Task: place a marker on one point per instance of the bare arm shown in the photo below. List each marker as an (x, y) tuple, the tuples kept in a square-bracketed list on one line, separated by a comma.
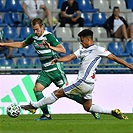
[(64, 59), (44, 8), (120, 61), (63, 13), (14, 44), (74, 19), (25, 10), (59, 48), (78, 14)]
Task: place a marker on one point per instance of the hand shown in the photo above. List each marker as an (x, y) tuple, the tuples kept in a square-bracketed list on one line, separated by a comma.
[(74, 19), (54, 61), (112, 32), (1, 44), (46, 44)]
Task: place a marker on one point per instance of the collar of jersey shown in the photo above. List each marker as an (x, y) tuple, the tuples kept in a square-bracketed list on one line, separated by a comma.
[(42, 36), (90, 46)]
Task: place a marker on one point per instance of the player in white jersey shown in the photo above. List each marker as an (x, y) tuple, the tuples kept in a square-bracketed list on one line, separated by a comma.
[(50, 73), (90, 56)]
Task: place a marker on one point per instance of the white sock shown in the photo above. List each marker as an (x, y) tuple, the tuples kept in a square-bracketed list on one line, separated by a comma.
[(96, 109), (46, 100)]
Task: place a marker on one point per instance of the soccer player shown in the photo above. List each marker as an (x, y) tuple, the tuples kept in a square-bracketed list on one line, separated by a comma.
[(50, 72), (90, 56)]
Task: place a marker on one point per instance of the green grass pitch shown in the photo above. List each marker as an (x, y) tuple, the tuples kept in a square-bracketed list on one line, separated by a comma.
[(66, 123)]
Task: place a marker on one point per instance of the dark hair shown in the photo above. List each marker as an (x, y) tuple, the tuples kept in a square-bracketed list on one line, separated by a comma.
[(37, 21), (85, 33), (116, 7)]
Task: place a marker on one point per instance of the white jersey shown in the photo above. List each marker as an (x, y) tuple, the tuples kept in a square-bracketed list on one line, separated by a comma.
[(90, 58)]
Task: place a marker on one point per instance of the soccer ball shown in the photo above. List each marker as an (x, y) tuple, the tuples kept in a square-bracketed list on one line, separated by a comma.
[(13, 110)]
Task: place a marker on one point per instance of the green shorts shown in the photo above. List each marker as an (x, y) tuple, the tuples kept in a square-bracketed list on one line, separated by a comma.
[(57, 77)]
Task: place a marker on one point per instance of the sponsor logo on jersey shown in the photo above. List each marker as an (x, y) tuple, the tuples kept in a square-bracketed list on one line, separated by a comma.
[(60, 82)]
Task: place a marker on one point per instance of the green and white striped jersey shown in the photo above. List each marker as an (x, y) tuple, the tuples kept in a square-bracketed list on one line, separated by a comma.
[(46, 55)]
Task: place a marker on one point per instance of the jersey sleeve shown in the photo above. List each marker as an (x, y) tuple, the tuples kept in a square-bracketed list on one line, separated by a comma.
[(52, 40), (77, 53), (29, 40), (103, 52)]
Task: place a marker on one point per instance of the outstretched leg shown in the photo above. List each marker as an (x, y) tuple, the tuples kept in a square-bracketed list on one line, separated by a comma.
[(87, 104), (78, 99), (121, 32), (44, 101), (89, 107)]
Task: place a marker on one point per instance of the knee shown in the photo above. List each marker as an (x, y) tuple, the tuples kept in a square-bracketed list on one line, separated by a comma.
[(35, 89), (81, 21), (123, 26), (38, 87), (63, 19), (63, 22)]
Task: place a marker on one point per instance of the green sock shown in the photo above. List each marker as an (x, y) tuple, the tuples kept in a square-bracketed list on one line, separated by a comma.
[(76, 98), (39, 96)]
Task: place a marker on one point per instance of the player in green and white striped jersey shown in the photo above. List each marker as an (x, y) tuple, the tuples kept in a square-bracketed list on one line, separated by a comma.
[(46, 45)]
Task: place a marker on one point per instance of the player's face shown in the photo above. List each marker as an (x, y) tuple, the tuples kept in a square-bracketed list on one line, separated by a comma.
[(38, 30), (84, 41)]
